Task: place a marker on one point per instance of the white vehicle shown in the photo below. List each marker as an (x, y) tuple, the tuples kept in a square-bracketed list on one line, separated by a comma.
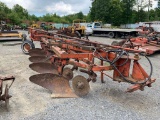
[(96, 29), (90, 26)]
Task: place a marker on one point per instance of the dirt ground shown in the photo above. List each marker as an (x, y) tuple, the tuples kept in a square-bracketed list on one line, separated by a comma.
[(107, 101)]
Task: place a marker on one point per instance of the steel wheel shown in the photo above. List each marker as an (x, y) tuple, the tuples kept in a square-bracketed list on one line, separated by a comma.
[(67, 73), (80, 85)]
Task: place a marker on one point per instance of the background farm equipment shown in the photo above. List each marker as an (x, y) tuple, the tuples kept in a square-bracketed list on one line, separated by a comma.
[(58, 51), (4, 26), (12, 36), (76, 30), (4, 95), (149, 44), (46, 26)]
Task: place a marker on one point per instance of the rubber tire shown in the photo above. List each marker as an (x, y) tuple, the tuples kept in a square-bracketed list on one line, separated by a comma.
[(78, 34), (30, 43), (111, 35), (24, 37)]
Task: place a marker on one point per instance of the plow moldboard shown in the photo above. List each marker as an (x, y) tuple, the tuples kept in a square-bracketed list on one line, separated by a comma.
[(57, 84), (43, 68), (37, 52), (36, 59)]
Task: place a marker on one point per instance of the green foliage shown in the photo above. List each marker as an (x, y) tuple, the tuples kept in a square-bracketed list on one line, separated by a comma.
[(119, 12), (158, 4), (21, 12), (115, 12)]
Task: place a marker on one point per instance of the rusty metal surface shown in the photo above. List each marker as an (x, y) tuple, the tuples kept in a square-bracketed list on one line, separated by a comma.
[(67, 73), (43, 68), (80, 53), (36, 59), (37, 52), (4, 96), (80, 85), (58, 85)]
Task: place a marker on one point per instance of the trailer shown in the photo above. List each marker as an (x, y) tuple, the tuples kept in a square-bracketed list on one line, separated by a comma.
[(96, 29)]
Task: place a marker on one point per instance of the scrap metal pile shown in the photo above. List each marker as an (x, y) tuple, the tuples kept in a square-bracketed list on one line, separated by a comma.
[(58, 51), (4, 96)]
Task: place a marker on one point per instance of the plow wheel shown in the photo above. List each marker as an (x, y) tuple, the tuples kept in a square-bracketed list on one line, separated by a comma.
[(37, 52), (67, 73), (42, 67), (36, 59), (80, 85), (57, 84), (26, 46)]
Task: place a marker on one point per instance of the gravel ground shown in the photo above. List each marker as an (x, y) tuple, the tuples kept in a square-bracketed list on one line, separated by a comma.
[(104, 102)]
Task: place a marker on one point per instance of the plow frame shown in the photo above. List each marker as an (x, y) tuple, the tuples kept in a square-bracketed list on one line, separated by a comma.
[(81, 54)]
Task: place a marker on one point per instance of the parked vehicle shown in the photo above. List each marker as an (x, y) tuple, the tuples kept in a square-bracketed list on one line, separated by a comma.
[(96, 29)]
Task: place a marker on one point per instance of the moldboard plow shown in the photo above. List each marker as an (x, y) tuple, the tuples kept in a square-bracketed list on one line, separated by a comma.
[(58, 51)]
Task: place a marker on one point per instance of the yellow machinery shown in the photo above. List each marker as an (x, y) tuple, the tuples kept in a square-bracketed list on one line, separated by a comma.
[(12, 35), (35, 26), (78, 25)]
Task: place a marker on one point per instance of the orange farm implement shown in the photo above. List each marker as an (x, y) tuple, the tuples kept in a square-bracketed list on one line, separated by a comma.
[(60, 55), (149, 44)]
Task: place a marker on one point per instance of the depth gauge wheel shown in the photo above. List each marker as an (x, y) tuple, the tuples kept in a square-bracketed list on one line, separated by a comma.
[(80, 85), (67, 73), (26, 46)]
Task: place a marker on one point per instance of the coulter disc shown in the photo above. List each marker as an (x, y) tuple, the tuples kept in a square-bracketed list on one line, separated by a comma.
[(80, 85)]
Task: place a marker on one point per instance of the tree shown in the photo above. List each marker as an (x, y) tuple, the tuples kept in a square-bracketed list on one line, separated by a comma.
[(159, 4), (110, 11), (14, 18), (80, 15), (4, 10), (21, 12), (127, 6)]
